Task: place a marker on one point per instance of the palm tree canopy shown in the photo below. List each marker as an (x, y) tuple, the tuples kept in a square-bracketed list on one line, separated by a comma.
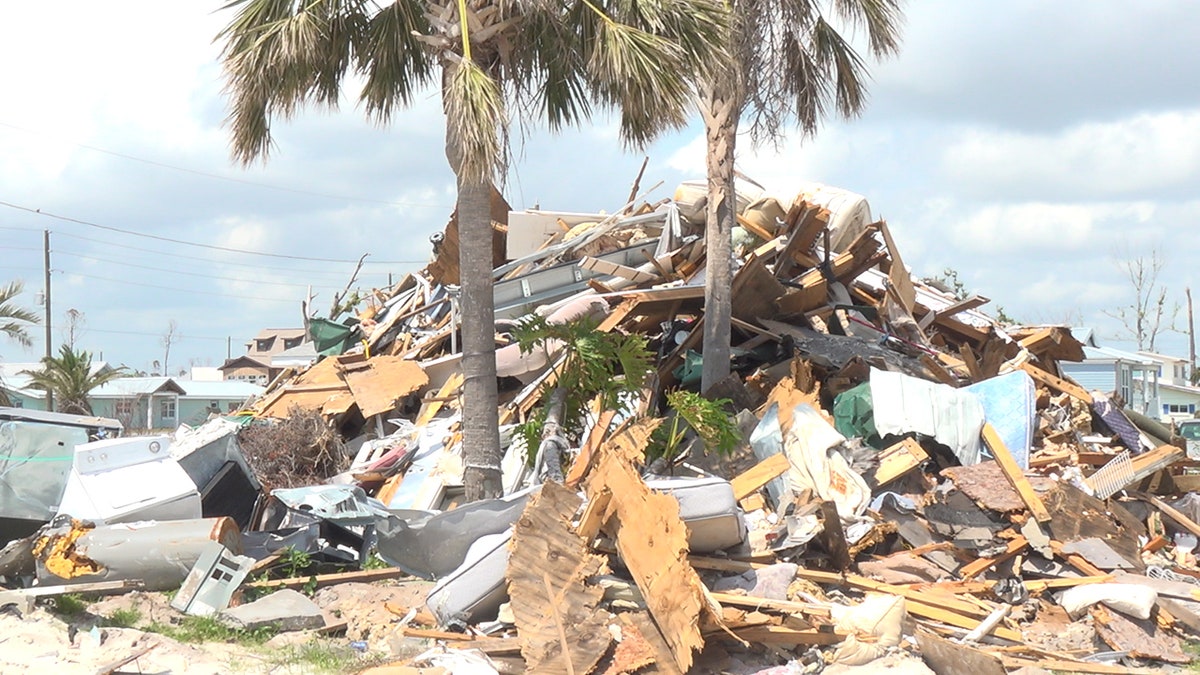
[(15, 320), (793, 62), (539, 58), (69, 378)]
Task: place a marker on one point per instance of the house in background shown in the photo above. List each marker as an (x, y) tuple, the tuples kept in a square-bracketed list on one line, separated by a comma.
[(201, 398), (140, 403), (1177, 396), (1132, 376), (255, 365)]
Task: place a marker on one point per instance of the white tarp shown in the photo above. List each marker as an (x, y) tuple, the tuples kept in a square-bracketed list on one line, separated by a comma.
[(906, 404)]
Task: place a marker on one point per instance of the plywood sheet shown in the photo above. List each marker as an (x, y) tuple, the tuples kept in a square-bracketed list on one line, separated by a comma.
[(652, 542), (556, 611), (384, 381), (319, 388)]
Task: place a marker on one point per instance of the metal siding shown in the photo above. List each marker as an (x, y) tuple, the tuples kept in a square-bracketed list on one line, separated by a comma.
[(1092, 376)]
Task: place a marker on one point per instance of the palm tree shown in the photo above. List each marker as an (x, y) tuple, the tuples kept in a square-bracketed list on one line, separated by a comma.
[(14, 320), (788, 63), (535, 58), (69, 378)]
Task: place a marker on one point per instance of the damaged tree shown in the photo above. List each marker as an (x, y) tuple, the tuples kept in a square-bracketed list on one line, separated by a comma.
[(787, 62), (1149, 314), (490, 58)]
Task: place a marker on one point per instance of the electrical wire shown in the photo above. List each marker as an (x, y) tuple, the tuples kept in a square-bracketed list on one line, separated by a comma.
[(213, 247), (195, 274), (208, 260)]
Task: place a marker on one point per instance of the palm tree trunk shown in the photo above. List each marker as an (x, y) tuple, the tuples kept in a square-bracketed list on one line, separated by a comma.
[(481, 450), (720, 111), (481, 421)]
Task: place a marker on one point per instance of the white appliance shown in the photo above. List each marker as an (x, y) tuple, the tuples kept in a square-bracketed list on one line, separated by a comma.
[(124, 480)]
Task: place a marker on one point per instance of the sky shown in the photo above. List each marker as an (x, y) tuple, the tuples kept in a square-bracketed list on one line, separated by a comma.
[(1031, 147)]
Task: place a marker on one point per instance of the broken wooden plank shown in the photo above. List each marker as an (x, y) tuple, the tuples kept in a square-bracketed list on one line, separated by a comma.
[(898, 459), (782, 635), (977, 567), (321, 580), (1168, 511), (614, 269), (785, 606), (1154, 461), (1057, 383), (652, 542), (760, 474), (385, 381), (1014, 474), (557, 613)]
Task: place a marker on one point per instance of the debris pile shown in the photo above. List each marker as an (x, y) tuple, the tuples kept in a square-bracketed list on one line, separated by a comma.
[(890, 473)]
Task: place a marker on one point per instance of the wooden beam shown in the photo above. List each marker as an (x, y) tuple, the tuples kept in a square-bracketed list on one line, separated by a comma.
[(898, 459), (749, 481), (1057, 383), (1014, 474), (785, 606), (319, 580), (782, 635), (1169, 511), (977, 567)]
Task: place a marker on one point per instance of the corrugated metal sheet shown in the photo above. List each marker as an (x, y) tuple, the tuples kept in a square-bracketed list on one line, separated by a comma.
[(1092, 376)]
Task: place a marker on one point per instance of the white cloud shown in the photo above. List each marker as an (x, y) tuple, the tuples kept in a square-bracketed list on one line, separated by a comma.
[(1147, 153), (1014, 228)]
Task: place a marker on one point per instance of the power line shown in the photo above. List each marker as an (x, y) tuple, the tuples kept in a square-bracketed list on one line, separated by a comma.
[(169, 288), (194, 274), (227, 249), (208, 260), (181, 336), (233, 179)]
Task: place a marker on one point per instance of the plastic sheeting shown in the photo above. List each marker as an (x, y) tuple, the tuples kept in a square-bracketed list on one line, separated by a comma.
[(906, 404)]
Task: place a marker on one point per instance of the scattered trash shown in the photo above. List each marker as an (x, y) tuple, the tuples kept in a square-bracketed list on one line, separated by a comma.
[(886, 470)]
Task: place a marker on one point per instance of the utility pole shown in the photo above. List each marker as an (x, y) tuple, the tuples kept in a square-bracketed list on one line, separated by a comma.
[(228, 347), (46, 297), (1191, 335)]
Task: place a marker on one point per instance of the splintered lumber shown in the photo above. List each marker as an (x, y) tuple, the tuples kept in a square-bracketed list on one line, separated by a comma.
[(557, 613), (652, 542), (941, 607), (977, 567), (321, 580), (1154, 461), (782, 635), (785, 606), (1169, 511), (1014, 474), (1057, 383), (898, 459), (760, 474)]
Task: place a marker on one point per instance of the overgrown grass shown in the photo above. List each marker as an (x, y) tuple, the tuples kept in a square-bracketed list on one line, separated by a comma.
[(208, 629), (123, 618), (69, 605), (322, 656)]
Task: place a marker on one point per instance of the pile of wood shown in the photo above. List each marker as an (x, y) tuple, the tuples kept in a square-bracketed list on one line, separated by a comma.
[(979, 553)]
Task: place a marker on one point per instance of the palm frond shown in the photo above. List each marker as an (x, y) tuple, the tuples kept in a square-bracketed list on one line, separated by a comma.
[(394, 61), (644, 76), (15, 318), (279, 56), (881, 19), (475, 120)]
